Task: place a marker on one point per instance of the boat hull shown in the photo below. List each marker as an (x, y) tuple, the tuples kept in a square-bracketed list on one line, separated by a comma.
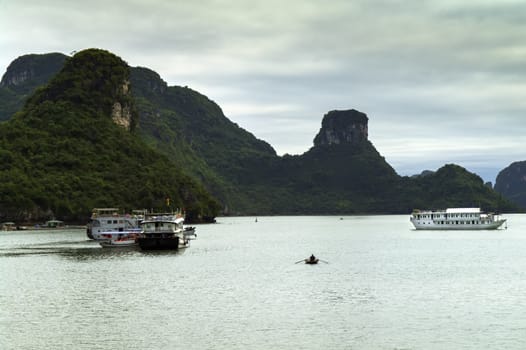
[(114, 235), (448, 227), (158, 243), (311, 262), (118, 244)]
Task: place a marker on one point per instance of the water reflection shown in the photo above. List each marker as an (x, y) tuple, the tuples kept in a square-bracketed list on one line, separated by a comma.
[(98, 253), (81, 250)]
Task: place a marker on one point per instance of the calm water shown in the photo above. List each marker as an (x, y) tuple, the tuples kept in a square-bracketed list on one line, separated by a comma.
[(385, 286)]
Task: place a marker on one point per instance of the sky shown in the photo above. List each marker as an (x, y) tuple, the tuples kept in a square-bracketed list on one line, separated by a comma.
[(441, 81)]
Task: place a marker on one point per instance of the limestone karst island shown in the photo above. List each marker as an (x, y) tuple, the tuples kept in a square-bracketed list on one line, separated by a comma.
[(90, 131)]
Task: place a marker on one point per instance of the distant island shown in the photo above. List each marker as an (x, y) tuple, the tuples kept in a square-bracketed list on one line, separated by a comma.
[(89, 131), (511, 183)]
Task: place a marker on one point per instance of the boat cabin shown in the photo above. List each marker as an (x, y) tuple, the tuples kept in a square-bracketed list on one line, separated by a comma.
[(162, 224)]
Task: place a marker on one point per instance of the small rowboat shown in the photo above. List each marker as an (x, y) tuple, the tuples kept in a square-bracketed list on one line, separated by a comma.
[(118, 243), (311, 261)]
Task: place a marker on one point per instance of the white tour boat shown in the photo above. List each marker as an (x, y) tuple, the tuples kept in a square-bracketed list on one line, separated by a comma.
[(110, 224), (455, 219)]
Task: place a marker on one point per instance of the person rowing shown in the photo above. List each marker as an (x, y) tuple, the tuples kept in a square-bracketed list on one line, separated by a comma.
[(311, 260)]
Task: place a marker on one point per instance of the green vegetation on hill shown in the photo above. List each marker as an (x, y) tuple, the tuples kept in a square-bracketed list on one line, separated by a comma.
[(453, 186), (511, 183), (62, 154), (192, 130)]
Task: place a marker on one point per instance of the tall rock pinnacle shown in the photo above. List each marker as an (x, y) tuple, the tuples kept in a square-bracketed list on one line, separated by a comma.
[(342, 127)]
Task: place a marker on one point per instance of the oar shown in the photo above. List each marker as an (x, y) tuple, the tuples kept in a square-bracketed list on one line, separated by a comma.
[(297, 262), (323, 261)]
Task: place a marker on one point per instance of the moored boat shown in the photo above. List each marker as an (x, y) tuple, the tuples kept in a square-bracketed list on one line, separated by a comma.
[(189, 232), (129, 241), (8, 226), (109, 224), (163, 231), (455, 219)]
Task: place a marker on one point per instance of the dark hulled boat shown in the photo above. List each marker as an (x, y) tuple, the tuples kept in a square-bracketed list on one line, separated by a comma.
[(158, 242), (162, 232)]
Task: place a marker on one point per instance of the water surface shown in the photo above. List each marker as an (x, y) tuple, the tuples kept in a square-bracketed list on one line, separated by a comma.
[(385, 286)]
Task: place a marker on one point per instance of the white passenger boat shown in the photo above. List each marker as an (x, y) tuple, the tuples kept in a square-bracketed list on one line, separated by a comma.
[(189, 232), (110, 224), (455, 219)]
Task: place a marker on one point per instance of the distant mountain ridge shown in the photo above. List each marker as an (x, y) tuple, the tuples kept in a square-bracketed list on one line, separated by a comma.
[(192, 130), (511, 183), (341, 173), (23, 76), (30, 71)]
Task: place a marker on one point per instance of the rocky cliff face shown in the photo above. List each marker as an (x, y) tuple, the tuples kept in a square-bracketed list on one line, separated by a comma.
[(511, 183), (28, 72), (121, 113), (34, 69), (342, 127), (23, 76), (12, 78)]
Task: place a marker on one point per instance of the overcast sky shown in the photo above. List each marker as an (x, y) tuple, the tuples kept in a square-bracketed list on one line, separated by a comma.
[(441, 81)]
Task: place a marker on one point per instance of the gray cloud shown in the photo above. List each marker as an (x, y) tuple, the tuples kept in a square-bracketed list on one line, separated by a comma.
[(441, 81)]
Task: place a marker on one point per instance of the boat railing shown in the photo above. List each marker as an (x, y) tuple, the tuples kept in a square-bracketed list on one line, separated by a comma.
[(96, 212), (160, 218)]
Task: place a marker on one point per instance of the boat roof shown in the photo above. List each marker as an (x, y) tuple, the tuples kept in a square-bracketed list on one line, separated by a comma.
[(462, 210), (449, 211), (104, 212), (163, 218)]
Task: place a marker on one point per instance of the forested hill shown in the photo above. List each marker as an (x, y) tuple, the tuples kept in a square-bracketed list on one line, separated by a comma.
[(193, 131), (342, 173), (511, 183), (73, 147)]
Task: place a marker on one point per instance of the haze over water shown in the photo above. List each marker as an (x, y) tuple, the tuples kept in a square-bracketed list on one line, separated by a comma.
[(385, 286)]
